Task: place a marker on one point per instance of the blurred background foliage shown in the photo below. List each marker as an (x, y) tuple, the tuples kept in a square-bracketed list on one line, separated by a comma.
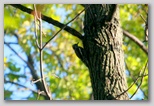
[(67, 76)]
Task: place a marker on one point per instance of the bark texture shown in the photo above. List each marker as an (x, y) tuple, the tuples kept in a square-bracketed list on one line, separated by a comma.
[(102, 52)]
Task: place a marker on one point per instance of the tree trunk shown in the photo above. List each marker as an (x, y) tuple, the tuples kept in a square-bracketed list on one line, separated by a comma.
[(102, 52)]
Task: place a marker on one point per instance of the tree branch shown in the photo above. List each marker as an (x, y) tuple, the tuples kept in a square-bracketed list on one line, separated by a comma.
[(23, 87), (30, 65), (64, 27), (136, 40), (49, 97), (10, 43), (141, 80), (73, 31), (135, 82), (51, 21)]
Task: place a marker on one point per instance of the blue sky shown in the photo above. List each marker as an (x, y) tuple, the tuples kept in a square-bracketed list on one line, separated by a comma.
[(18, 94)]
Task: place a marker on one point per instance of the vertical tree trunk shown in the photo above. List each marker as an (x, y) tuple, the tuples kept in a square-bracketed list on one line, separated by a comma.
[(102, 52)]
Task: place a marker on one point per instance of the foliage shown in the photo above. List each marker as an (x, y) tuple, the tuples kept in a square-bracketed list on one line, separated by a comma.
[(135, 58), (59, 59)]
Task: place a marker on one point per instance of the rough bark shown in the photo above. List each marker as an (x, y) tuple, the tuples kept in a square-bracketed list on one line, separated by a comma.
[(102, 52)]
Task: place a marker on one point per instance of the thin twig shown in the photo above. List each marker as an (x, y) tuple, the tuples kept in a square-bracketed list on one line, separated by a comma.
[(41, 56), (35, 81), (141, 80), (128, 88), (132, 83), (65, 26), (10, 42), (142, 17), (28, 64), (35, 29), (23, 86), (15, 52), (135, 80), (39, 93)]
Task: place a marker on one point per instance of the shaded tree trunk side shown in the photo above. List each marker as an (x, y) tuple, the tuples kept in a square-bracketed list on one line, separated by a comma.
[(102, 52)]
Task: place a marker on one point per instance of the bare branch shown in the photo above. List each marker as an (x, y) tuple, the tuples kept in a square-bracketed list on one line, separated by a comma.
[(141, 80), (128, 88), (142, 18), (35, 27), (143, 75), (65, 26), (73, 31), (23, 87), (29, 64), (16, 52), (136, 40), (51, 21), (41, 54), (10, 43), (35, 81)]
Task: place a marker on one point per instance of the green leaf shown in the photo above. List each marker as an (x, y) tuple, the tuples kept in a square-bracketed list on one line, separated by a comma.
[(13, 67), (7, 94)]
